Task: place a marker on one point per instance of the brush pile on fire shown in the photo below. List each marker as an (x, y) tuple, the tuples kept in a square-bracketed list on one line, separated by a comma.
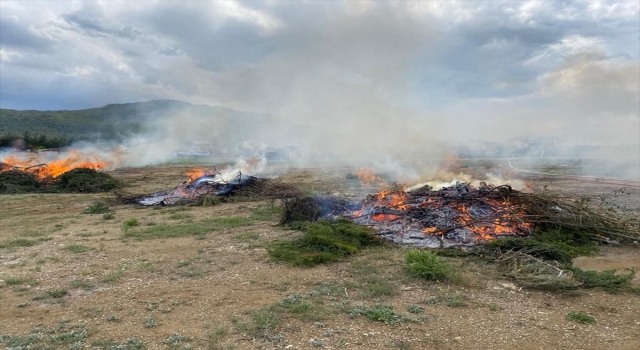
[(69, 172), (208, 187), (464, 215), (456, 215)]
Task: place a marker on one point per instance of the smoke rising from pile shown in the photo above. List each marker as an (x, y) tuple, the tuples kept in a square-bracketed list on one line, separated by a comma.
[(347, 82), (340, 88), (393, 86)]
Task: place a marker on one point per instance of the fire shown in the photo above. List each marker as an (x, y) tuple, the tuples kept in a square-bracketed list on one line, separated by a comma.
[(44, 168), (459, 214), (385, 217), (430, 230), (395, 200), (367, 177), (193, 174)]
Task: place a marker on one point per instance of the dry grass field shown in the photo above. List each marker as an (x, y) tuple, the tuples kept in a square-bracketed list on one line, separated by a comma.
[(193, 277)]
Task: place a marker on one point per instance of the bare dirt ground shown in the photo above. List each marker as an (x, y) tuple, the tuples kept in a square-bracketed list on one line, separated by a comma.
[(80, 281)]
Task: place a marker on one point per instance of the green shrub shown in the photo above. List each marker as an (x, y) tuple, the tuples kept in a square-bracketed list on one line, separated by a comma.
[(424, 264), (323, 242)]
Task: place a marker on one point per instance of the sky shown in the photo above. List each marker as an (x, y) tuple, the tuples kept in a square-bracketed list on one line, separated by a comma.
[(462, 70)]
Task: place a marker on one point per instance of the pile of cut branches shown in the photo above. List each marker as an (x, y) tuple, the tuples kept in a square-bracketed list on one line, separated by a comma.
[(79, 180), (600, 219)]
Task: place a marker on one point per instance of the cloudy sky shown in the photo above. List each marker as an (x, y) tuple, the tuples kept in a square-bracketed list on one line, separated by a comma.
[(463, 69)]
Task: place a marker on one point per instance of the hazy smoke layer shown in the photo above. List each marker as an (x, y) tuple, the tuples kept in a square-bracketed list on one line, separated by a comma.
[(393, 86)]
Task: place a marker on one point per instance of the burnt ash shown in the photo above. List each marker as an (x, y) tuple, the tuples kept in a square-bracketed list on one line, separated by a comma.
[(210, 184)]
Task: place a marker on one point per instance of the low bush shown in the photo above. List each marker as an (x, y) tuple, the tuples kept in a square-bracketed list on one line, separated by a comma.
[(323, 242), (424, 264)]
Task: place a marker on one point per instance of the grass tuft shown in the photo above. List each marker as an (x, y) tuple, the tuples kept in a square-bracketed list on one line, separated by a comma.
[(12, 281), (57, 293), (74, 248), (424, 264), (97, 208), (22, 242), (581, 317), (261, 326), (127, 225), (379, 313)]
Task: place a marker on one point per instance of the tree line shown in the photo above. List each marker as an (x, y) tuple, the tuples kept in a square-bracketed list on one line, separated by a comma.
[(33, 141)]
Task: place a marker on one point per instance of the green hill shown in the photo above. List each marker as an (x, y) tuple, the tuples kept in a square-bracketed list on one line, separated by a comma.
[(120, 121), (111, 122)]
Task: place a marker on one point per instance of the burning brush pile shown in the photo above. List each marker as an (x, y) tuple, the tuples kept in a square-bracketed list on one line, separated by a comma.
[(452, 216), (457, 215), (69, 172), (464, 215), (208, 187)]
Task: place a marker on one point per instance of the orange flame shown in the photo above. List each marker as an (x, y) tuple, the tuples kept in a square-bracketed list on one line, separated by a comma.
[(385, 217), (367, 177), (193, 174), (395, 200), (429, 230), (38, 165), (504, 220)]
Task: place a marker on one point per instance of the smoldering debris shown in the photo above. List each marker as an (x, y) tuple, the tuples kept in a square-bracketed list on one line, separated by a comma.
[(464, 215), (212, 187)]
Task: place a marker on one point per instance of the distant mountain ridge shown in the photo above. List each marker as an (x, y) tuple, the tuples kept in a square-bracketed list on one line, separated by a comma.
[(119, 121)]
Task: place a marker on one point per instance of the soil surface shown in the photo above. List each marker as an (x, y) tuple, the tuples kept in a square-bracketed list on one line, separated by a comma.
[(200, 278)]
